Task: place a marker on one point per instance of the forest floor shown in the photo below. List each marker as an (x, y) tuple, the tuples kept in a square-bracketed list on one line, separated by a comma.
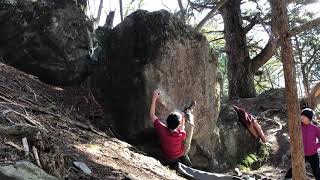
[(66, 119)]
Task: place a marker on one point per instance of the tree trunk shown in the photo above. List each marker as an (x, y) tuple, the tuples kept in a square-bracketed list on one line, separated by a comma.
[(97, 19), (280, 18), (121, 10), (305, 81), (240, 74), (109, 20)]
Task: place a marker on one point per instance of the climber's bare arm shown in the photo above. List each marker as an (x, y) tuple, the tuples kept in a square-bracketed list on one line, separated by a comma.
[(182, 124), (156, 95)]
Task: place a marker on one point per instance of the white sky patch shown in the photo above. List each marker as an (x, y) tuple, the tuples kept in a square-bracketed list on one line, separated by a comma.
[(172, 6)]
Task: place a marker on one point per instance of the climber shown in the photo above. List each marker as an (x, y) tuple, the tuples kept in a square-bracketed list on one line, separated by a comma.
[(310, 134), (175, 143), (251, 123)]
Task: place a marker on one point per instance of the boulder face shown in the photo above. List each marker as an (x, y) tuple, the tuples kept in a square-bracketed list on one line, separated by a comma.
[(151, 50), (48, 39)]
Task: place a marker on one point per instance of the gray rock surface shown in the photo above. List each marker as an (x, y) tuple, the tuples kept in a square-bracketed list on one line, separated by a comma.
[(24, 170), (83, 167)]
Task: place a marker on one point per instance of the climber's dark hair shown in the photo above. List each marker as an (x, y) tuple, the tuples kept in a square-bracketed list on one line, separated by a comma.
[(173, 120)]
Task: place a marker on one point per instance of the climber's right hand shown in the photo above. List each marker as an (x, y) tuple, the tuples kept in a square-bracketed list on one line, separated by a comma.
[(156, 94)]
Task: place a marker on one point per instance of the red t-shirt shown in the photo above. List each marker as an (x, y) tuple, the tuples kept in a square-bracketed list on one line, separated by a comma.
[(171, 142)]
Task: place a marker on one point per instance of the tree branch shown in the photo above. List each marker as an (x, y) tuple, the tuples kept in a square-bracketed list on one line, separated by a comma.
[(182, 10), (252, 23), (304, 27), (121, 10), (197, 6), (315, 49), (264, 55), (109, 20), (210, 14), (217, 39), (97, 19), (209, 32), (311, 64), (180, 5)]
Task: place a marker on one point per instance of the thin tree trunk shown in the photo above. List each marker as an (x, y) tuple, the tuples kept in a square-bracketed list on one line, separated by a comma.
[(109, 20), (121, 10), (280, 18), (314, 97), (240, 75), (182, 11), (305, 81), (97, 19), (304, 76)]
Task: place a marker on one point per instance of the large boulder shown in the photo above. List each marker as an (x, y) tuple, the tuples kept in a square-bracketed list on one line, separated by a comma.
[(48, 39), (150, 50)]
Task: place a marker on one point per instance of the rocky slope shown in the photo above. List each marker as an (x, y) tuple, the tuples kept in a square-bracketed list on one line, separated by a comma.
[(66, 133)]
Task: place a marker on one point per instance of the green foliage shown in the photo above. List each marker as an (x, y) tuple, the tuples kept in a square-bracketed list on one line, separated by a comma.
[(250, 160), (306, 51), (254, 161), (217, 43), (270, 76), (82, 8)]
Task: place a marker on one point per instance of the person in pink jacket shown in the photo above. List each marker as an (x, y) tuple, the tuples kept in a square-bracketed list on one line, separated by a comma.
[(310, 134)]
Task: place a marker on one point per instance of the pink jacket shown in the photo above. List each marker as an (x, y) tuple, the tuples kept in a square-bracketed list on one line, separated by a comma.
[(310, 134)]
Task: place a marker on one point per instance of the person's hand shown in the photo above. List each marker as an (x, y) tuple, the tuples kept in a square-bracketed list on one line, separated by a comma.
[(156, 94)]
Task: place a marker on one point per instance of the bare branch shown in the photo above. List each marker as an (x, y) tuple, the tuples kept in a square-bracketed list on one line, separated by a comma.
[(210, 14), (252, 23), (182, 10), (121, 10), (109, 20), (97, 19), (264, 55), (180, 5), (208, 32), (304, 27), (315, 50), (202, 6), (217, 39), (311, 64)]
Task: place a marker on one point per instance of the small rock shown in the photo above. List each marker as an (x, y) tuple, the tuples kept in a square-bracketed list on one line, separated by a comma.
[(237, 170), (247, 177), (257, 176), (83, 167), (24, 170)]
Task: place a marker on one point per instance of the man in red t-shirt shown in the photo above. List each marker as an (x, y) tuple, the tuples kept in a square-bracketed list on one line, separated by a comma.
[(173, 135)]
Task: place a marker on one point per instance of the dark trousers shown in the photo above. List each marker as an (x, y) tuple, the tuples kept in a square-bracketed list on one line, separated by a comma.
[(183, 159), (314, 163)]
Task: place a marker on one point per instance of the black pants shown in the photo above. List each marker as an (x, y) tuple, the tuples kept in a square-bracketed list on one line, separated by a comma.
[(183, 159), (314, 163)]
